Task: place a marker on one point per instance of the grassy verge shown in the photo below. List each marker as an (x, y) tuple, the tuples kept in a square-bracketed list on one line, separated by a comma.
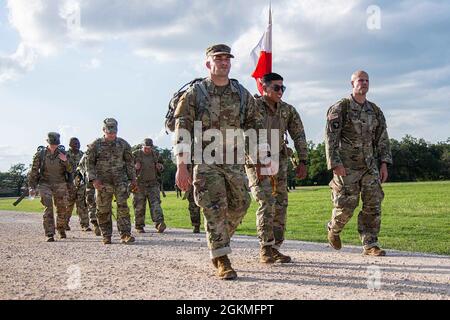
[(416, 216)]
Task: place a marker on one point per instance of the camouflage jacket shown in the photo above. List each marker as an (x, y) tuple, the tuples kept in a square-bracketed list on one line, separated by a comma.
[(75, 158), (110, 162), (222, 113), (145, 172), (356, 136), (54, 170), (289, 121)]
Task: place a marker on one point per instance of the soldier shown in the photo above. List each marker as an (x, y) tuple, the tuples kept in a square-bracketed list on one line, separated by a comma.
[(49, 173), (219, 187), (81, 178), (76, 194), (111, 172), (148, 163), (271, 192), (357, 143)]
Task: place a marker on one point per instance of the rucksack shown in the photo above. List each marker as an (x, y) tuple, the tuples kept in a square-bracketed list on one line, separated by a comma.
[(202, 101)]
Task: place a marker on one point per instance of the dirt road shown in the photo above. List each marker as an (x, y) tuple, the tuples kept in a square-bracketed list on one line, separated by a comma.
[(176, 265)]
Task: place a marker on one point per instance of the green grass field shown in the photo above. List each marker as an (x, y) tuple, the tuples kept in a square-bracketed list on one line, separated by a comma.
[(416, 216)]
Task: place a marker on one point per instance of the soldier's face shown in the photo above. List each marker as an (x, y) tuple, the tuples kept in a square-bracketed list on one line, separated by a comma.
[(219, 65), (147, 149), (75, 145), (361, 84), (110, 136), (274, 91)]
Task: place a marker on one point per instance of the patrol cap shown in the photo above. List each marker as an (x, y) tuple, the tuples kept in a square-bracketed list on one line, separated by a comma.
[(218, 49), (53, 138), (147, 142), (110, 125)]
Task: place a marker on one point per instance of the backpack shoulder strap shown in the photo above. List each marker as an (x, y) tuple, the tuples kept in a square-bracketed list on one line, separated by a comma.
[(202, 96), (241, 92)]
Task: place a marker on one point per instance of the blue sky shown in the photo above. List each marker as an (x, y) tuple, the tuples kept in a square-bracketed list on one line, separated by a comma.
[(128, 57)]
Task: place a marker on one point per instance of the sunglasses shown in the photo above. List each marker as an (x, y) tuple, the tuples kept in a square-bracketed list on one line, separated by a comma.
[(277, 87)]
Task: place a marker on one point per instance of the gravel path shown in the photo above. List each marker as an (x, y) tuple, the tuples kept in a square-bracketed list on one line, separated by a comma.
[(176, 265)]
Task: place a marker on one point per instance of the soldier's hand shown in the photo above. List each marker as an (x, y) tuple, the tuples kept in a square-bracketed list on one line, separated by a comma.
[(134, 186), (183, 177), (383, 173), (339, 171), (63, 157), (32, 192), (98, 185), (301, 171)]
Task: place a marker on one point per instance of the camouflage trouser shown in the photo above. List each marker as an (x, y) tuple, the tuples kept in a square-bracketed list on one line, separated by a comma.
[(194, 210), (272, 211), (77, 196), (57, 193), (345, 195), (104, 200), (90, 201), (221, 191), (152, 195)]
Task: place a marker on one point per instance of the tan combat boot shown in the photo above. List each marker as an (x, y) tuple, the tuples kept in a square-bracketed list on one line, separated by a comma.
[(86, 229), (107, 240), (266, 255), (97, 230), (140, 230), (62, 234), (374, 251), (126, 238), (160, 227), (279, 257), (215, 262), (224, 269), (334, 240)]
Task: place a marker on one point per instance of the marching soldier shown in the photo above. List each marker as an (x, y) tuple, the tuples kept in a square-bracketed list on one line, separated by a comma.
[(148, 164), (219, 187), (358, 152), (111, 172), (50, 173), (76, 194), (271, 192)]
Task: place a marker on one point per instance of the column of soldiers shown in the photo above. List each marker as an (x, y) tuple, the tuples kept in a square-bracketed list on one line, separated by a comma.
[(357, 151)]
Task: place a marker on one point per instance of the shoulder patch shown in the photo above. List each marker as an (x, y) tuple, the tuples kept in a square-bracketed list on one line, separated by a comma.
[(332, 116)]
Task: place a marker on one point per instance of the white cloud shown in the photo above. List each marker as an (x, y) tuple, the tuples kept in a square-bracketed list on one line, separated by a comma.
[(94, 63)]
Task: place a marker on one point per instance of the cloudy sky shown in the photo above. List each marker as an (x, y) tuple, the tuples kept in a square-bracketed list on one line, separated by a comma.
[(65, 65)]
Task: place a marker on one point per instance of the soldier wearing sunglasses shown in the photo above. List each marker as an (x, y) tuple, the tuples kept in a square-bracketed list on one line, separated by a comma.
[(271, 192)]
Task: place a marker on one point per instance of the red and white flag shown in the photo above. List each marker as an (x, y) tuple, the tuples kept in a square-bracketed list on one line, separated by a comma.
[(262, 55)]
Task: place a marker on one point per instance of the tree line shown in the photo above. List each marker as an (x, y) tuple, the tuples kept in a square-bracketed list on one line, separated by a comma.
[(414, 160)]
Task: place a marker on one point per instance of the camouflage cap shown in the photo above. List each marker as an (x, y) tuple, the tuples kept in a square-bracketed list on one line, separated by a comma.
[(219, 49), (147, 142), (110, 125), (53, 138)]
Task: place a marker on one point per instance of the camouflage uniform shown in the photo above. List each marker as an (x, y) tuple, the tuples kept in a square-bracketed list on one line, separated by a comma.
[(111, 162), (90, 190), (273, 201), (148, 188), (194, 210), (77, 195), (219, 189), (356, 138), (52, 187)]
